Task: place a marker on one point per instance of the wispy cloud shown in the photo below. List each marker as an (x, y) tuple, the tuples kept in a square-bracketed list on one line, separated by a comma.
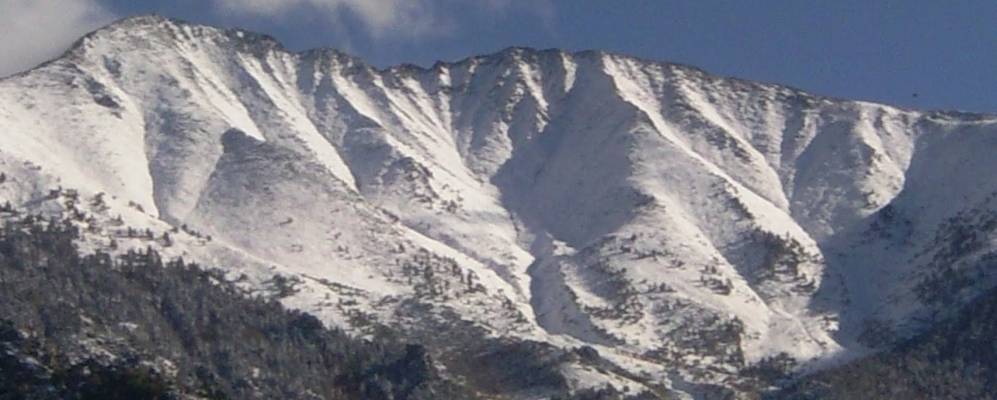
[(32, 31), (381, 18)]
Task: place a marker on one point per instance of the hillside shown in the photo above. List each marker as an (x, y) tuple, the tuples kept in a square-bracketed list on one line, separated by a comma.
[(685, 226)]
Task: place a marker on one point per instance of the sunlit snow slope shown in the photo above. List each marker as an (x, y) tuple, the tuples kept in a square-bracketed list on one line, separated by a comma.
[(675, 220)]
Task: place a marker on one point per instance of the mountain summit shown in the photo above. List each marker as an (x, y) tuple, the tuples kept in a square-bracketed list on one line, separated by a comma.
[(686, 226)]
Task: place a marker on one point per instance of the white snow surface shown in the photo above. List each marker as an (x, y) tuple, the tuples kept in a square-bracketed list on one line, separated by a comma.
[(663, 215)]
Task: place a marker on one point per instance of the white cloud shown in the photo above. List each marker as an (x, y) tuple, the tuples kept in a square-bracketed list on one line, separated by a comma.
[(33, 31), (381, 18)]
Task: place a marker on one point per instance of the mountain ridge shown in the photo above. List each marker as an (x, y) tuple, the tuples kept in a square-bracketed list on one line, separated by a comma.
[(154, 18), (649, 209)]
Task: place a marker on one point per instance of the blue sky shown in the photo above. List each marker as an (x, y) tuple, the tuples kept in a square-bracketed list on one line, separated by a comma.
[(945, 52)]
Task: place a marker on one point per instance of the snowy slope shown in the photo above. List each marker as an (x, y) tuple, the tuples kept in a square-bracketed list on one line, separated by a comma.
[(686, 225)]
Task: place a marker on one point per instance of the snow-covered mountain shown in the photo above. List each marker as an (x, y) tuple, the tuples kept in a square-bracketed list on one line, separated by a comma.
[(684, 225)]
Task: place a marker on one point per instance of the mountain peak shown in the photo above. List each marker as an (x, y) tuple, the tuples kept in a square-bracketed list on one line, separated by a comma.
[(144, 20), (149, 30), (584, 198), (138, 24)]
